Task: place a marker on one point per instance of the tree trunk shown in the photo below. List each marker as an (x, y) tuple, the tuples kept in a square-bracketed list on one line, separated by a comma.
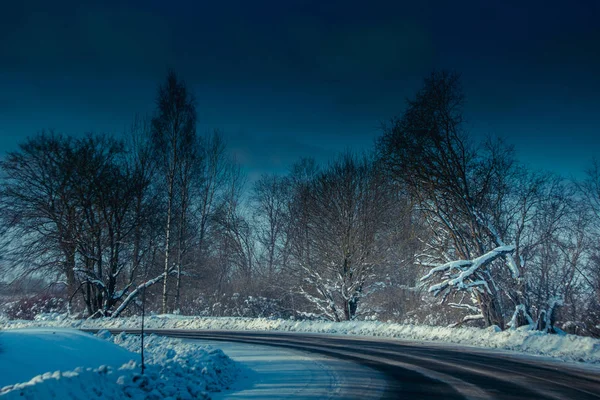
[(178, 288), (88, 299), (180, 246), (492, 315), (523, 316), (350, 307), (137, 238), (178, 283), (70, 273), (167, 244)]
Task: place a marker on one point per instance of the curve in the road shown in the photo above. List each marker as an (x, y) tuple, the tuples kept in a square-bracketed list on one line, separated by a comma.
[(423, 371), (275, 373)]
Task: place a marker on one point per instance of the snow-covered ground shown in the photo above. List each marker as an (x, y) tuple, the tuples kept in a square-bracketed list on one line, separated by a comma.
[(566, 347), (49, 363), (30, 352)]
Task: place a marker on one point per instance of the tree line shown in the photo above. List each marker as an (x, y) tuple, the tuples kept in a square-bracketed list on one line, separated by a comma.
[(431, 226)]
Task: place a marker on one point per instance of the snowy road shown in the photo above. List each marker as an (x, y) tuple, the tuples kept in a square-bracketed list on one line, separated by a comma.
[(409, 369), (279, 373)]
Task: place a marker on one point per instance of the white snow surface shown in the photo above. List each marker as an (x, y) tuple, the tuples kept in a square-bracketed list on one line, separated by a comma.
[(26, 353), (565, 347), (69, 364)]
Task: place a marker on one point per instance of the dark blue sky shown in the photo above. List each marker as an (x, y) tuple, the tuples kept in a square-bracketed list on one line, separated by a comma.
[(294, 78)]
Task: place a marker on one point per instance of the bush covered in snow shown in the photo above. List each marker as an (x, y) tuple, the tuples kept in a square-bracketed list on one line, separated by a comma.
[(236, 305), (28, 308)]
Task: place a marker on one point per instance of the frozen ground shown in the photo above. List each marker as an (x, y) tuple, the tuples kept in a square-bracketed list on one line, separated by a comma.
[(566, 347), (67, 364)]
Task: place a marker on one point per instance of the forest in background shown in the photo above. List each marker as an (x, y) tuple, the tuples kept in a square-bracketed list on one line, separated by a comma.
[(429, 227)]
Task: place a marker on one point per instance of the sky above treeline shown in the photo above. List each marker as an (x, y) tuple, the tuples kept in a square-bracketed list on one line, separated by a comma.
[(286, 79)]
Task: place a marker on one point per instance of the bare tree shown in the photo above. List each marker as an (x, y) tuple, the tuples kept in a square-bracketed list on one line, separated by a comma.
[(173, 136), (103, 190), (271, 198), (37, 208), (75, 202), (209, 189), (147, 215), (340, 222), (236, 230), (143, 167), (187, 169), (458, 188), (589, 190)]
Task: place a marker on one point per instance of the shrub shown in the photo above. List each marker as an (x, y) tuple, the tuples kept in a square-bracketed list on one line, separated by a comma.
[(28, 307)]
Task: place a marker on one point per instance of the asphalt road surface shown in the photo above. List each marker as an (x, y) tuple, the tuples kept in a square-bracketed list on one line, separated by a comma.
[(414, 370)]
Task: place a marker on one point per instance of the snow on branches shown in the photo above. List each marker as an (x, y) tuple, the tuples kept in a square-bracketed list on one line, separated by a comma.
[(464, 274)]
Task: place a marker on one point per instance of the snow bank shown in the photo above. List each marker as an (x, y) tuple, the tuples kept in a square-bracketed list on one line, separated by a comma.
[(182, 362), (88, 367), (566, 347), (30, 352)]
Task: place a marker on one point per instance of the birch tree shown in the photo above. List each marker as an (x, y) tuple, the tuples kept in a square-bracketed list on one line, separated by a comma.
[(173, 137)]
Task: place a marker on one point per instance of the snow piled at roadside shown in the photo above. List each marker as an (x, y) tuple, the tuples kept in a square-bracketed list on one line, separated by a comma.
[(565, 347), (25, 353), (183, 364), (175, 369)]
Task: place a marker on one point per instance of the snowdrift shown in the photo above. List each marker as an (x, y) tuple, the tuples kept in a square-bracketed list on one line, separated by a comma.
[(68, 364)]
